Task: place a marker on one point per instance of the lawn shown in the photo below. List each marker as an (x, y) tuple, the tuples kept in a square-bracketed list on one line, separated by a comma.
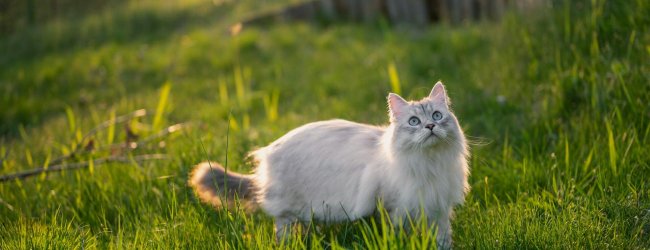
[(556, 104)]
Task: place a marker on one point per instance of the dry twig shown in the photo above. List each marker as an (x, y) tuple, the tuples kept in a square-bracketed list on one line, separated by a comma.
[(137, 144), (103, 125), (78, 165), (57, 165)]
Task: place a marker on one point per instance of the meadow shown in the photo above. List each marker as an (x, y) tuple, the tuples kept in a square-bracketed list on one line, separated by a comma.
[(555, 103)]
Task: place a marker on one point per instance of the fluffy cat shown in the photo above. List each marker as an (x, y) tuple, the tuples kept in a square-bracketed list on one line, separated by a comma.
[(339, 170)]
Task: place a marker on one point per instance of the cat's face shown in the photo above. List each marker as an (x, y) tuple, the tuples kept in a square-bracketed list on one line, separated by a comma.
[(425, 123)]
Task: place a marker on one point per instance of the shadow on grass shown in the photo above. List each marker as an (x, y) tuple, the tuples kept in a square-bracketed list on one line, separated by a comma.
[(34, 92), (118, 26)]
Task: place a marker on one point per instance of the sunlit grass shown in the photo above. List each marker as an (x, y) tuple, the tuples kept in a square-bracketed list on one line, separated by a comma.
[(561, 101)]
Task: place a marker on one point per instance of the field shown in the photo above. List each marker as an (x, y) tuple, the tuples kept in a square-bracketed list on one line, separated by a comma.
[(556, 104)]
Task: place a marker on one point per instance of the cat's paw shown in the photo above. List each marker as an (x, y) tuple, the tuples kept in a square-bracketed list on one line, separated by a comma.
[(444, 242)]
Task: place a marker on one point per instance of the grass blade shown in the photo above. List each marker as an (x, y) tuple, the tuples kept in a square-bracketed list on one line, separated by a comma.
[(164, 94), (394, 79), (71, 119), (223, 92), (110, 134), (612, 148)]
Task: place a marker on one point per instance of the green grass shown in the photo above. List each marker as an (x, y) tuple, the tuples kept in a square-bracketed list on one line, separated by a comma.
[(557, 106)]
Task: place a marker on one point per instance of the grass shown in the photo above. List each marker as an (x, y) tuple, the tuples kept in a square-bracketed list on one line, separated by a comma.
[(557, 105)]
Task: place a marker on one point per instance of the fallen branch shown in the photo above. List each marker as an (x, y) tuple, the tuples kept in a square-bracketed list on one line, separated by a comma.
[(134, 145), (78, 165), (119, 119), (165, 132), (103, 125)]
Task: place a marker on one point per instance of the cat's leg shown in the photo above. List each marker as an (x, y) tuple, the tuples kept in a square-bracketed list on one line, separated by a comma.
[(399, 220), (443, 223), (306, 228), (283, 227)]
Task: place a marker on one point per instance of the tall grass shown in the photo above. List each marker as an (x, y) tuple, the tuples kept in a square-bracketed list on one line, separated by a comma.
[(561, 98)]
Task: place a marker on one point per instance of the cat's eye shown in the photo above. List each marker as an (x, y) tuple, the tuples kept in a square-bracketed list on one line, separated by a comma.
[(414, 121), (437, 116)]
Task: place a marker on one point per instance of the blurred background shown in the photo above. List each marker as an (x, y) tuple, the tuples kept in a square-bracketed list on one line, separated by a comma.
[(553, 95), (67, 53)]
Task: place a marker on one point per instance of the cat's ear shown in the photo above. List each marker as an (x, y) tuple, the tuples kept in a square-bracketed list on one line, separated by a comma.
[(396, 104), (439, 94)]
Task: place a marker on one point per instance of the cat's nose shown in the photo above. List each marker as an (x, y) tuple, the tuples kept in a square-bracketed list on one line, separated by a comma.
[(430, 126)]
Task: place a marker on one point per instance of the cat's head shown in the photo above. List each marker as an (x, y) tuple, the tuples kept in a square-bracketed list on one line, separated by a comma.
[(425, 123)]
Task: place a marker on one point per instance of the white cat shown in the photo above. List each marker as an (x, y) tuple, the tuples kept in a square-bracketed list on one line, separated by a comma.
[(339, 170)]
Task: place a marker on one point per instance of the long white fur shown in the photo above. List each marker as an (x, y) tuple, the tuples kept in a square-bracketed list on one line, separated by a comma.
[(338, 170)]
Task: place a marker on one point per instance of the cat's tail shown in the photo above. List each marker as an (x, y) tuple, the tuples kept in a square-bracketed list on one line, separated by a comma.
[(216, 186)]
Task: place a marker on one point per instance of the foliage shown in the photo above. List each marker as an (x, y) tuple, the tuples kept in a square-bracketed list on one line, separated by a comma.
[(557, 107)]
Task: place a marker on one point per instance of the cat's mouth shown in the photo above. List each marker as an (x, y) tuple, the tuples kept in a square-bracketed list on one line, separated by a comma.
[(430, 136)]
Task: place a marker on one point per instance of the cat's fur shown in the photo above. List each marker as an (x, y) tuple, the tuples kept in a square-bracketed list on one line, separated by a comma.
[(338, 170)]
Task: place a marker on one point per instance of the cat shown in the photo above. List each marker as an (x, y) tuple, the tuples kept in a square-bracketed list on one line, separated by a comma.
[(338, 170)]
